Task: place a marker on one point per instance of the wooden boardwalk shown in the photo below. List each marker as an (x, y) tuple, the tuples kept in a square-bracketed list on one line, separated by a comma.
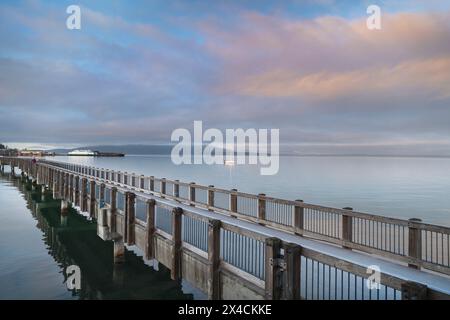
[(233, 245)]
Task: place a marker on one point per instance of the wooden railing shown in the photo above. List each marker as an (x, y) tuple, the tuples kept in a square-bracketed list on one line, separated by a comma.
[(244, 251)]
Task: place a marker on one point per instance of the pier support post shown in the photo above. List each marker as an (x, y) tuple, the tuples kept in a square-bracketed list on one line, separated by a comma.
[(298, 218), (71, 187), (55, 187), (83, 195), (130, 213), (213, 259), (347, 227), (64, 207), (175, 272), (102, 225), (291, 273), (113, 211), (261, 208), (414, 242), (66, 186), (273, 281), (150, 231), (92, 202), (76, 191)]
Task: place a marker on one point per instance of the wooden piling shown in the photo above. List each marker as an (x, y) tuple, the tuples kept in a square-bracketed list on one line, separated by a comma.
[(273, 281), (92, 201), (175, 272), (130, 219), (291, 272), (213, 259), (150, 231)]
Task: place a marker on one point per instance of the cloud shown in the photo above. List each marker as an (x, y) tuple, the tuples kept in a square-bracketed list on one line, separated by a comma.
[(324, 80)]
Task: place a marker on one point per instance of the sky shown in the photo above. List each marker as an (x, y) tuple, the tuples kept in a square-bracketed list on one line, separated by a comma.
[(137, 70)]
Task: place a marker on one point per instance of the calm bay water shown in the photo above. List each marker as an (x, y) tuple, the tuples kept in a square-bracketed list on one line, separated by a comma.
[(35, 247), (395, 187)]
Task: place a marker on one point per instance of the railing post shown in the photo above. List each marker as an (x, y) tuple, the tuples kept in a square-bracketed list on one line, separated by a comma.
[(261, 208), (176, 189), (414, 291), (163, 187), (192, 193), (414, 242), (210, 197), (150, 231), (291, 279), (175, 272), (298, 218), (273, 279), (152, 183), (142, 182), (233, 201), (213, 259), (347, 227), (130, 218), (133, 182)]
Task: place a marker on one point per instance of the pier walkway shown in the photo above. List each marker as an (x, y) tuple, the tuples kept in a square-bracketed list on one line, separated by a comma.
[(234, 245)]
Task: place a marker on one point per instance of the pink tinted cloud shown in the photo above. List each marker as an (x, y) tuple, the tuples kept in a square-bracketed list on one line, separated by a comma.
[(330, 57)]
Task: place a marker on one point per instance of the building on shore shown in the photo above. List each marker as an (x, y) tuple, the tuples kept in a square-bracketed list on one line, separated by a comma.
[(34, 153)]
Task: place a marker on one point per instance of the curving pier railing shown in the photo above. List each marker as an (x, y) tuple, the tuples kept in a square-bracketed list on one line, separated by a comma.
[(243, 240)]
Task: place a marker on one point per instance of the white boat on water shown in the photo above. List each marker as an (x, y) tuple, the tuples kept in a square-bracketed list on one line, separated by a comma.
[(80, 152)]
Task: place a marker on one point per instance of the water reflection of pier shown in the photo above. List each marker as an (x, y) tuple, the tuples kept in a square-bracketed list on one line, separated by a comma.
[(73, 240)]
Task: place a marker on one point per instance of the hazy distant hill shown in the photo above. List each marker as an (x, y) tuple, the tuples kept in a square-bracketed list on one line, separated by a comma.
[(127, 149)]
